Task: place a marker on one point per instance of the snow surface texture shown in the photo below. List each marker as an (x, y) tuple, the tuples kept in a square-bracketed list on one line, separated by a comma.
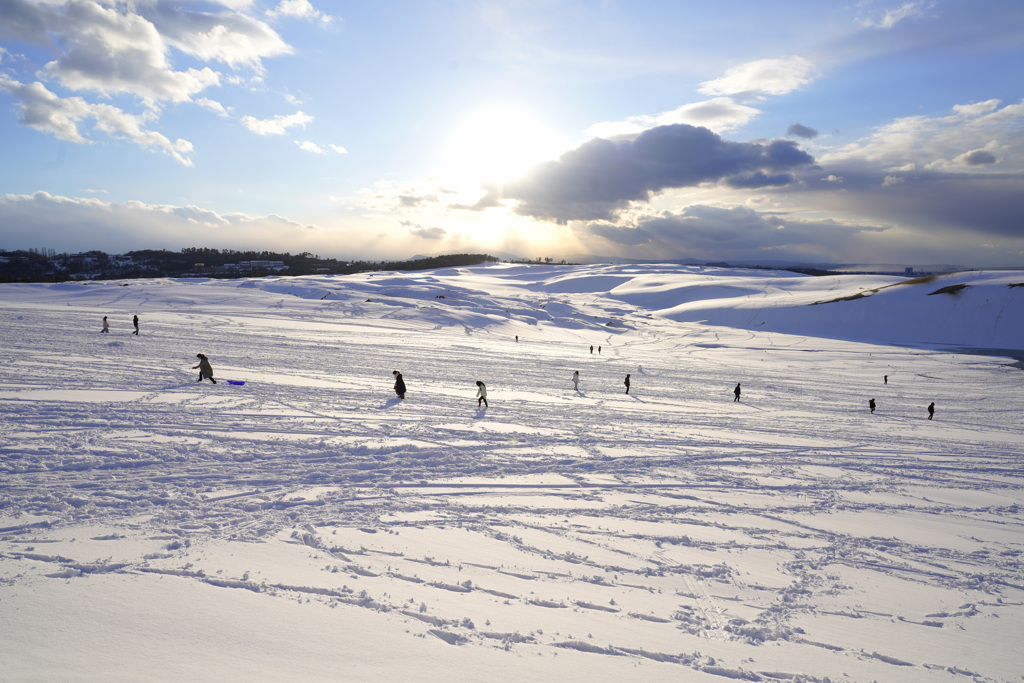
[(309, 525)]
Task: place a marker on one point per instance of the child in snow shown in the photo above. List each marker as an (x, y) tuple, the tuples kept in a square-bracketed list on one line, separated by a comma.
[(399, 384), (205, 369), (736, 392), (627, 384), (576, 380), (106, 325), (871, 404), (481, 394), (931, 410), (135, 321)]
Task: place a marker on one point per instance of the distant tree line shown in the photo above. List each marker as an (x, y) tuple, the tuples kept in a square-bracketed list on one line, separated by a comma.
[(45, 266)]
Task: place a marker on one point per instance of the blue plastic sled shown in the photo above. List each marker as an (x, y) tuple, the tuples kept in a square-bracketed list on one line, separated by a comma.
[(235, 382)]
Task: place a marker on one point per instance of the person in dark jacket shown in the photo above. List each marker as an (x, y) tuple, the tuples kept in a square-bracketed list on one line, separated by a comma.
[(627, 384), (399, 384), (135, 321), (931, 410), (481, 394), (205, 369), (736, 392), (871, 404)]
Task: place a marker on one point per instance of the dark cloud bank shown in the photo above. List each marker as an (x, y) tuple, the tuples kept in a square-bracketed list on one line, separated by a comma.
[(802, 131), (924, 215), (601, 177), (711, 232)]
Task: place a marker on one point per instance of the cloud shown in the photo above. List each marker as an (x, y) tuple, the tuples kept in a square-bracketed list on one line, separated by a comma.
[(75, 224), (117, 123), (277, 125), (301, 9), (898, 14), (723, 114), (213, 106), (802, 131), (107, 51), (943, 204), (976, 108), (619, 235), (28, 21), (759, 179), (739, 234), (425, 232), (602, 177), (45, 111), (952, 178), (976, 157), (430, 194), (230, 37), (308, 146), (942, 141), (777, 76), (717, 233), (916, 190), (106, 48), (720, 114)]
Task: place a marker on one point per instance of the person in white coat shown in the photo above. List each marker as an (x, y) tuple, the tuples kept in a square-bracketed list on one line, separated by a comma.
[(576, 380), (481, 394)]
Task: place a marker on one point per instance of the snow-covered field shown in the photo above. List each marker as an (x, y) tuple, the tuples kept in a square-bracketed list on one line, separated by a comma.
[(309, 525)]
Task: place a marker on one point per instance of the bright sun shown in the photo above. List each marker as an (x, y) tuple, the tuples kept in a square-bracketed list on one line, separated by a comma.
[(498, 143)]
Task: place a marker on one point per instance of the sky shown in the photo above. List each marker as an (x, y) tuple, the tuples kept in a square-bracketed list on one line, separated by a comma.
[(873, 132)]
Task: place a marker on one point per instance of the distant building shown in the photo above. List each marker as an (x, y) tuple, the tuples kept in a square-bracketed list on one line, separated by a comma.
[(261, 265), (909, 270)]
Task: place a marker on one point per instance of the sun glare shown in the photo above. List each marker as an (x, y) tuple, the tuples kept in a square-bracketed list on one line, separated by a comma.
[(498, 143)]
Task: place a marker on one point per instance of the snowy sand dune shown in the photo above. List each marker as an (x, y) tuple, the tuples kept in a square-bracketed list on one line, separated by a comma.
[(309, 525)]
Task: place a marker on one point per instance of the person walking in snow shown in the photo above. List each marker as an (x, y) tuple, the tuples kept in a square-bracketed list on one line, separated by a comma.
[(931, 410), (106, 325), (871, 404), (399, 384), (885, 379), (736, 392), (576, 380), (205, 369), (627, 384), (481, 394), (135, 321), (591, 349)]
